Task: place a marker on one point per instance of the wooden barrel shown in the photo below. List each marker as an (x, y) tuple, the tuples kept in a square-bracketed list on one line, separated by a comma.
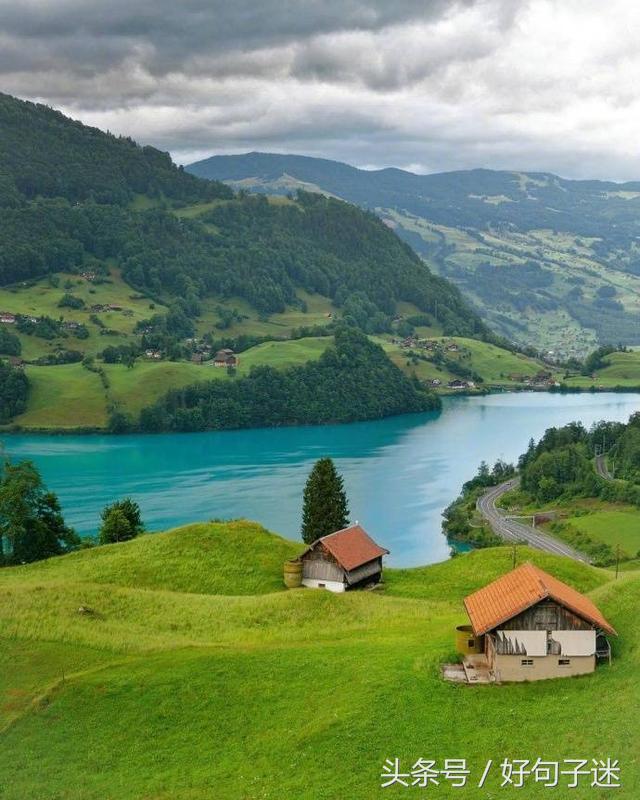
[(293, 573)]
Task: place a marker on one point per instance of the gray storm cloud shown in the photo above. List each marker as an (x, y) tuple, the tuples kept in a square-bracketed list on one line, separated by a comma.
[(537, 84)]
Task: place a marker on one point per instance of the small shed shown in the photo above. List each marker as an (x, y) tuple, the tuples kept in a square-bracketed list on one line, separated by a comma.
[(342, 560), (529, 626)]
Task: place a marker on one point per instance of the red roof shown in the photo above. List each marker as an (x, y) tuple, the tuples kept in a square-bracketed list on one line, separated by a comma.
[(520, 589), (351, 547)]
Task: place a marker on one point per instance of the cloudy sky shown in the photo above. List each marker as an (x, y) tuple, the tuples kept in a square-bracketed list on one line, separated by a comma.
[(427, 85)]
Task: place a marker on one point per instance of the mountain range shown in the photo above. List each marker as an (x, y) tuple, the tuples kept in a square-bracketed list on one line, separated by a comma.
[(546, 261)]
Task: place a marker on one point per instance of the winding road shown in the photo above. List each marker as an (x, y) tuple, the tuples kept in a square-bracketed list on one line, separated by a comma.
[(513, 531)]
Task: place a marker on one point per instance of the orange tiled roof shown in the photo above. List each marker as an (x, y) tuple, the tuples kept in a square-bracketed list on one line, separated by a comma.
[(351, 547), (520, 589)]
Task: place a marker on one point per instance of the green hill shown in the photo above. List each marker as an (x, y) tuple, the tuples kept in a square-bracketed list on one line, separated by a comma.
[(134, 671), (109, 250), (75, 195), (551, 262)]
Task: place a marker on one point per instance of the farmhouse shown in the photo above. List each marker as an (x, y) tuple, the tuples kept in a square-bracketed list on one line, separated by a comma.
[(7, 318), (458, 384), (528, 625), (342, 560), (225, 358)]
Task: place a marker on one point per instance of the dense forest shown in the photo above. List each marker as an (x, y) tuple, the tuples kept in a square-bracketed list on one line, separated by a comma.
[(352, 380), (45, 154), (560, 464), (68, 196)]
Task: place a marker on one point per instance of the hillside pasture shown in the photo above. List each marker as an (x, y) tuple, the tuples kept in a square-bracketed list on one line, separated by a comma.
[(295, 693)]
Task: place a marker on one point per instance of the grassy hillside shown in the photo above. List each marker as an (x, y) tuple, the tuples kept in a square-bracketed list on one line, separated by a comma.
[(623, 370), (550, 262), (69, 396), (170, 686), (496, 366)]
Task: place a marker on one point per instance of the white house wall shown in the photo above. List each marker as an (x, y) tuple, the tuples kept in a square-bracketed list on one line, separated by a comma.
[(576, 643), (332, 586)]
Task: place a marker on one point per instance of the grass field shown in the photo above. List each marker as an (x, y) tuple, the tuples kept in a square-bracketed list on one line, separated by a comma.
[(69, 396), (65, 396), (614, 527), (196, 676), (623, 370), (493, 363), (41, 299)]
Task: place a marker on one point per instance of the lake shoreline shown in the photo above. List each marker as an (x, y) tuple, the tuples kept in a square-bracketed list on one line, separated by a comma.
[(563, 389)]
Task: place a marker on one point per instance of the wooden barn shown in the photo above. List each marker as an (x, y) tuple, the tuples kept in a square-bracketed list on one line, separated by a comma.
[(342, 560), (528, 625)]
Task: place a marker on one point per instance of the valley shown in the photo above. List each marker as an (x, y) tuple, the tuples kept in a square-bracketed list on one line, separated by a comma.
[(547, 262)]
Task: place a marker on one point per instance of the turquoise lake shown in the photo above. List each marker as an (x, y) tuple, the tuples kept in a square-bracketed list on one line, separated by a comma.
[(400, 473)]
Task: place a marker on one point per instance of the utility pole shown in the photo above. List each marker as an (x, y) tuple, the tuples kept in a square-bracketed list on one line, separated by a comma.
[(515, 546), (617, 560)]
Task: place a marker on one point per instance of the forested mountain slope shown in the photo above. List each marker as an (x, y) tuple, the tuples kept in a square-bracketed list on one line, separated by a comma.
[(111, 256), (551, 262), (72, 194)]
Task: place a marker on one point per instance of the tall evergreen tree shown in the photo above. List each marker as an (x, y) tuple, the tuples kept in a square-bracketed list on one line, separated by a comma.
[(325, 508)]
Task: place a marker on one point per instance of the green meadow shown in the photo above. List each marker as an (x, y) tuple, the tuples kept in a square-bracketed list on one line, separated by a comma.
[(70, 396), (623, 370), (177, 667), (616, 527)]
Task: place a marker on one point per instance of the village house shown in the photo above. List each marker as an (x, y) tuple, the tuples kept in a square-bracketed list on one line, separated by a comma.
[(342, 560), (458, 384), (155, 355), (7, 318), (225, 358), (527, 626)]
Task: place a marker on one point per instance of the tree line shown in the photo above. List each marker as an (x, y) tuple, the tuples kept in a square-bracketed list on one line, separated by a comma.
[(352, 380)]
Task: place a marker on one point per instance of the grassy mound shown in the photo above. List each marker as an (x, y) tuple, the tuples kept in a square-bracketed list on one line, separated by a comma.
[(173, 689), (225, 558)]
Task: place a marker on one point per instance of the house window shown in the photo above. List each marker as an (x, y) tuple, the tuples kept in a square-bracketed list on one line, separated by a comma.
[(322, 586), (526, 662), (564, 662), (471, 643)]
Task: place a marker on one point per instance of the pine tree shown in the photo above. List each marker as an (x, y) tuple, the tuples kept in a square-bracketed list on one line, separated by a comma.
[(325, 508)]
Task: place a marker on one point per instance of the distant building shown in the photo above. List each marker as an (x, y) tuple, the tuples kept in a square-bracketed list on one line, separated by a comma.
[(458, 384), (342, 560), (7, 318), (155, 355), (528, 625), (225, 358)]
